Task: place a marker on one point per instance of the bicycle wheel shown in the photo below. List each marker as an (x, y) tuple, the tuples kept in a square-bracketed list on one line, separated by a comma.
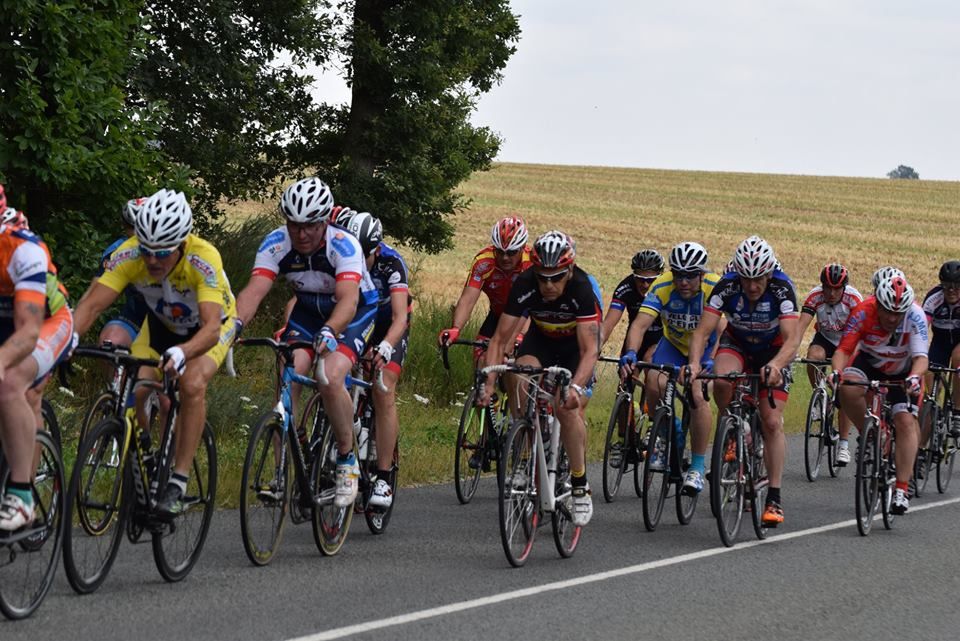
[(377, 519), (686, 504), (177, 545), (520, 496), (867, 485), (50, 423), (566, 535), (888, 484), (265, 489), (641, 434), (95, 514), (469, 458), (923, 467), (101, 409), (759, 483), (727, 485), (656, 468), (814, 434), (29, 565), (832, 437), (948, 455), (330, 523), (615, 446)]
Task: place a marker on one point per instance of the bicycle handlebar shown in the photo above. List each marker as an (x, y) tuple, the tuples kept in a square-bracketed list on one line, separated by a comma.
[(741, 376), (445, 348), (323, 380), (118, 355)]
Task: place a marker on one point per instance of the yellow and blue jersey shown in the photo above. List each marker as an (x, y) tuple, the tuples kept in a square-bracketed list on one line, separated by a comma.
[(680, 317)]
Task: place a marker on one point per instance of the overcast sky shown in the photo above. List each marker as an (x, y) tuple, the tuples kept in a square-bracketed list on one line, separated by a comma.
[(827, 87)]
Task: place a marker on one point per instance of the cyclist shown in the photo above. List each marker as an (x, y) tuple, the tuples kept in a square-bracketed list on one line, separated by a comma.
[(830, 304), (14, 218), (677, 298), (36, 329), (335, 307), (886, 335), (884, 272), (563, 305), (494, 270), (647, 265), (761, 308), (191, 320), (942, 307), (391, 335)]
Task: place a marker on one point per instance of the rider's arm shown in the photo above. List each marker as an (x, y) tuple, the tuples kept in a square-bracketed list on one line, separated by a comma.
[(501, 343), (28, 312), (805, 319), (637, 328), (919, 366), (252, 295), (465, 304), (97, 299), (347, 295), (208, 334), (398, 320), (839, 360), (698, 339), (790, 331), (610, 322), (588, 338)]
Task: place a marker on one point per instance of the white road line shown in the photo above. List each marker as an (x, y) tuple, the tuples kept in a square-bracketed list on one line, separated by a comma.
[(430, 613)]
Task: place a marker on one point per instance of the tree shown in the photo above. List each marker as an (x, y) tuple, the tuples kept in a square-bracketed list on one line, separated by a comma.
[(416, 70), (903, 172)]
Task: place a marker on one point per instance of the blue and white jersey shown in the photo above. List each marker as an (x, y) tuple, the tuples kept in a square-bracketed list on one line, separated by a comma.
[(389, 274)]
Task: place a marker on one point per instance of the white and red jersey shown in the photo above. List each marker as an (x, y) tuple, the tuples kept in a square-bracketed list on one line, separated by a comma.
[(831, 319), (889, 352)]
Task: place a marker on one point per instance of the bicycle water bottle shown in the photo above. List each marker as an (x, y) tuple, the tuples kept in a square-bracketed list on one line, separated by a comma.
[(362, 434)]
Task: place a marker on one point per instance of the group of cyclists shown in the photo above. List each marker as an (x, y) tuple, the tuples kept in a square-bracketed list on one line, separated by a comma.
[(351, 301)]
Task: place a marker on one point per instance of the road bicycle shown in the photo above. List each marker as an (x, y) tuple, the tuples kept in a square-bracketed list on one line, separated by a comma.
[(876, 450), (29, 556), (940, 447), (110, 493), (624, 447), (739, 473), (820, 433), (536, 468), (479, 435)]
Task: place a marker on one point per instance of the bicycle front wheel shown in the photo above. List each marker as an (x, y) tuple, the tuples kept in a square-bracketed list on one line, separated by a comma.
[(177, 545), (888, 480), (948, 455), (470, 456), (265, 489), (50, 423), (867, 485), (759, 483), (729, 472), (29, 565), (615, 447), (377, 519), (330, 522), (923, 467), (101, 409), (566, 535), (815, 434), (519, 495), (95, 517), (656, 468), (686, 502)]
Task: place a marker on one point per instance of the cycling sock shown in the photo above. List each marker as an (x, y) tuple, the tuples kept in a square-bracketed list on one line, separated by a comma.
[(773, 495), (21, 491), (346, 459), (844, 443), (903, 486), (180, 481), (578, 480), (385, 475), (698, 462)]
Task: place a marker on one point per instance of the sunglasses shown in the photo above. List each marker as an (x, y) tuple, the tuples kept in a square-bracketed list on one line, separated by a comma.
[(511, 253), (645, 279), (159, 254), (687, 276), (951, 286), (551, 278)]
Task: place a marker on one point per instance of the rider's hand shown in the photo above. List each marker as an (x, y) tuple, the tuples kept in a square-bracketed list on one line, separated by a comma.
[(324, 341), (913, 385), (382, 354), (448, 335), (693, 370), (772, 376), (278, 335), (517, 342), (835, 378), (627, 361), (484, 391), (174, 362)]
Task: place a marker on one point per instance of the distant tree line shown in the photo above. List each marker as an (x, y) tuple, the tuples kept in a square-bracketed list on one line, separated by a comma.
[(903, 172)]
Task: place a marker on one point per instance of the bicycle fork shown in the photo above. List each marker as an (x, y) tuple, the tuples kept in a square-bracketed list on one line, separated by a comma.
[(548, 470)]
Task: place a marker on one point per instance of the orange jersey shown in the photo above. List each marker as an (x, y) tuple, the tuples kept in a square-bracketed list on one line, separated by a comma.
[(491, 280), (25, 266)]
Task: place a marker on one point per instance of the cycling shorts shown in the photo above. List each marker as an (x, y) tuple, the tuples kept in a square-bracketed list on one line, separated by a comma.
[(131, 316), (668, 354), (154, 339), (754, 362), (552, 351), (399, 350), (822, 341), (305, 323), (53, 344), (862, 370), (940, 350)]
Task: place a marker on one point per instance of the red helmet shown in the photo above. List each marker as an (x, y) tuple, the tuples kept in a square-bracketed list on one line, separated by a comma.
[(834, 275), (554, 250), (894, 294), (3, 199), (509, 234)]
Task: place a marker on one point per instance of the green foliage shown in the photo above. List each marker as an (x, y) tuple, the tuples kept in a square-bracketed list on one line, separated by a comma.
[(903, 172), (76, 247)]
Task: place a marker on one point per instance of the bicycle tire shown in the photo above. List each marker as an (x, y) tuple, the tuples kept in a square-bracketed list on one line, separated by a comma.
[(265, 489), (615, 446), (888, 483), (815, 435), (759, 482), (727, 491), (867, 497), (640, 422), (471, 444), (566, 535), (50, 423), (101, 408), (833, 439), (178, 544), (25, 582), (656, 468), (313, 422), (331, 524), (945, 464), (95, 514), (923, 465), (378, 519), (519, 505), (686, 504)]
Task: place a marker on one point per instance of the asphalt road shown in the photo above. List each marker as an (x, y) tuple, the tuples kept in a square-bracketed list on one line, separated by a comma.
[(439, 573)]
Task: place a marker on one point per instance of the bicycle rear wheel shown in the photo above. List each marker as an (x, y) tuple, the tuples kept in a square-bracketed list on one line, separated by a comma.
[(686, 504), (95, 517), (759, 483), (265, 489), (832, 437), (177, 545), (867, 485), (945, 465), (656, 468), (566, 535), (727, 484), (469, 457), (888, 481), (615, 446), (519, 509), (331, 523), (50, 423), (29, 565), (814, 434), (923, 467)]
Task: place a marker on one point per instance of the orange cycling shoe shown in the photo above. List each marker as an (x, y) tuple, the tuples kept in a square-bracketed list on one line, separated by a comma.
[(772, 514)]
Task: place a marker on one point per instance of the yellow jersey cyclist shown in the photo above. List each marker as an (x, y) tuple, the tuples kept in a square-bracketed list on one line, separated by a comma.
[(389, 342), (647, 265), (677, 298), (762, 331), (191, 319), (494, 270), (563, 304), (36, 329), (336, 305)]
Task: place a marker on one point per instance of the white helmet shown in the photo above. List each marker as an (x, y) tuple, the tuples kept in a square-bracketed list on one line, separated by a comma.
[(884, 273), (343, 215), (754, 258), (688, 257), (509, 234), (130, 209), (307, 201), (367, 229), (164, 220), (895, 294)]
